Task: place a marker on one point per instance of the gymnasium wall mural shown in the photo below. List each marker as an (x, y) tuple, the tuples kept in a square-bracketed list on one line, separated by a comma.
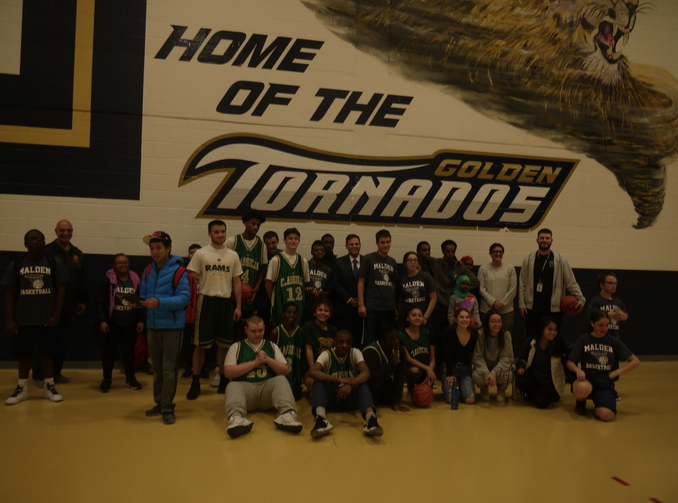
[(420, 115), (552, 67)]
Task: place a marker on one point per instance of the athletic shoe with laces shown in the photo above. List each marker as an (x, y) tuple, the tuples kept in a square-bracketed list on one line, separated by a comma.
[(322, 427), (20, 394), (194, 392), (238, 425), (372, 428), (288, 422), (168, 418), (518, 394), (222, 385), (501, 396), (133, 384), (155, 411), (51, 394), (216, 378), (105, 386)]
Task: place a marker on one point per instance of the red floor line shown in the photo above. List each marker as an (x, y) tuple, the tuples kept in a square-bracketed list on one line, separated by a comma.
[(655, 500), (620, 481)]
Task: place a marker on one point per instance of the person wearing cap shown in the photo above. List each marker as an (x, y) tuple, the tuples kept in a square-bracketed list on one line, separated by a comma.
[(165, 298), (217, 269)]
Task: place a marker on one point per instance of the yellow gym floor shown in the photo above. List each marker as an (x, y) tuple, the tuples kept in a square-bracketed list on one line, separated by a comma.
[(95, 447)]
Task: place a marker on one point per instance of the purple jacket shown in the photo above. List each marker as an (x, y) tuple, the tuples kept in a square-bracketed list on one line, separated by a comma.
[(107, 291)]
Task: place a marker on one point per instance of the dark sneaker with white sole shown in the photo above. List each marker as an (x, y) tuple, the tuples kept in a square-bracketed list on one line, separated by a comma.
[(322, 427), (372, 428)]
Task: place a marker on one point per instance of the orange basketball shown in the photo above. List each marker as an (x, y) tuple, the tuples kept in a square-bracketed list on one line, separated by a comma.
[(568, 304), (247, 293), (422, 395)]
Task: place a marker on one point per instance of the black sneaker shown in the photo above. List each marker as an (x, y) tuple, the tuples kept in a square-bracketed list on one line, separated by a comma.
[(322, 427), (105, 386), (194, 392), (188, 373), (222, 385), (155, 411), (372, 428), (580, 407), (133, 384), (168, 418)]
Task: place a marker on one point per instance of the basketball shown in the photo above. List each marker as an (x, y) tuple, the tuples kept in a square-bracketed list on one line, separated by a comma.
[(422, 395), (247, 293), (568, 304)]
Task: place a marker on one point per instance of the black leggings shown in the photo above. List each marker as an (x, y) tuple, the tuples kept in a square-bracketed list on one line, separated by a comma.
[(415, 377), (124, 337), (541, 394)]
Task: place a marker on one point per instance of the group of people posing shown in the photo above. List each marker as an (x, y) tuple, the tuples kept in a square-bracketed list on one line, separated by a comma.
[(280, 323)]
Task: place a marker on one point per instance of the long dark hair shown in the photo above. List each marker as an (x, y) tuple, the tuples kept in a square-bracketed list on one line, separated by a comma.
[(557, 347), (486, 327), (404, 324)]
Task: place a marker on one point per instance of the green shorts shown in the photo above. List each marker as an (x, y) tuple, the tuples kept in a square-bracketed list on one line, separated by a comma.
[(213, 322)]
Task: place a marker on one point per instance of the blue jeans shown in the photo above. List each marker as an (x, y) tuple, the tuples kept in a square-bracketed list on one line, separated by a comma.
[(464, 380), (325, 395)]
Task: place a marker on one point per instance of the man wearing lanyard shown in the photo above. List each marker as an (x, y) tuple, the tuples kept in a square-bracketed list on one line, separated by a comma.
[(545, 278)]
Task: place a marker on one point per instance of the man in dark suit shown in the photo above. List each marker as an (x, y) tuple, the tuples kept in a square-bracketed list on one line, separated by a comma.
[(346, 290)]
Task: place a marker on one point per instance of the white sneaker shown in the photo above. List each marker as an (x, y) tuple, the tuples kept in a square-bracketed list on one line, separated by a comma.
[(216, 379), (20, 394), (51, 393), (238, 425), (501, 396), (288, 422)]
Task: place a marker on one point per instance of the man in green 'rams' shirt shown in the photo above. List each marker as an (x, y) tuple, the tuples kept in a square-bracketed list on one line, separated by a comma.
[(258, 372)]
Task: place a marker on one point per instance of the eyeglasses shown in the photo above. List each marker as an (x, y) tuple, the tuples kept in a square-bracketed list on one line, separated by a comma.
[(500, 252), (412, 260)]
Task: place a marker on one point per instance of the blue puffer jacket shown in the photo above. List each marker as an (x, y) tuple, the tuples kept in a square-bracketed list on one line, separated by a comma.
[(159, 285)]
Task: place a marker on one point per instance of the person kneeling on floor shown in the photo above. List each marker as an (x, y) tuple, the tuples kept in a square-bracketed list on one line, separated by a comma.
[(341, 376), (258, 372)]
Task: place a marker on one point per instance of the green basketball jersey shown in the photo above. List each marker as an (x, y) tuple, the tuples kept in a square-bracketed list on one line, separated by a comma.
[(289, 287), (341, 368), (246, 353), (419, 349), (290, 345), (375, 346), (250, 260)]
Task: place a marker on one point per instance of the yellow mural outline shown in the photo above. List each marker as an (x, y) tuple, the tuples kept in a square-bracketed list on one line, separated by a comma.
[(79, 134)]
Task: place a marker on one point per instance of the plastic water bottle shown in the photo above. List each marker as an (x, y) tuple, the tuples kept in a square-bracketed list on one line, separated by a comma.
[(455, 396)]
